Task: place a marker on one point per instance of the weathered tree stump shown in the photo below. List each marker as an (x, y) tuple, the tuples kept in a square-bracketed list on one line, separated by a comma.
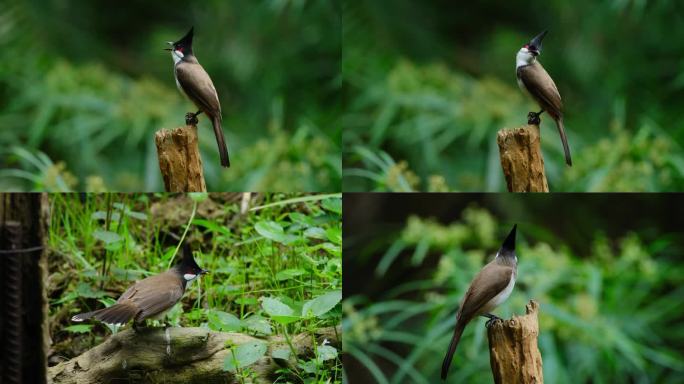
[(513, 352), (521, 159), (179, 159), (179, 355)]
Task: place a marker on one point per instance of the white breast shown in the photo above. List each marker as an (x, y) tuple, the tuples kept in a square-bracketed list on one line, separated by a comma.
[(500, 298), (175, 76)]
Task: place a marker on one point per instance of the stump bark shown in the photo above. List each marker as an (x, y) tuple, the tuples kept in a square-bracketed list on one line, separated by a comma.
[(513, 352), (179, 159), (181, 355), (521, 159)]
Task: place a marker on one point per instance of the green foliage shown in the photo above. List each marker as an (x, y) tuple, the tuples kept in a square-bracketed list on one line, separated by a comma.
[(85, 88), (426, 97), (267, 276), (605, 317)]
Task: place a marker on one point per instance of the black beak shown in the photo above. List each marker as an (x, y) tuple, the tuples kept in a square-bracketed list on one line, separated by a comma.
[(536, 43), (509, 243), (204, 272), (169, 43)]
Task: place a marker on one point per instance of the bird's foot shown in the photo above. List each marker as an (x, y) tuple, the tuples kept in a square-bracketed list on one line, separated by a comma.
[(191, 118), (492, 319), (533, 118)]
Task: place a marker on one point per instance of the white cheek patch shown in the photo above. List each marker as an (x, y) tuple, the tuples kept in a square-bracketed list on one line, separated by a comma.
[(177, 56), (189, 276)]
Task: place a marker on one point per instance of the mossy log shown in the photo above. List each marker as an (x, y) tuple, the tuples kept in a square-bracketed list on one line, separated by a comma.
[(521, 159), (179, 159), (179, 355), (513, 352)]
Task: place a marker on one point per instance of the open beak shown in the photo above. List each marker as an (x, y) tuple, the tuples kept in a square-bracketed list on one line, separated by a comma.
[(169, 43), (204, 272)]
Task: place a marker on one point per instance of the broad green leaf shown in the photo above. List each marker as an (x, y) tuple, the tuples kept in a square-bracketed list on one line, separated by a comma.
[(332, 205), (244, 355), (287, 274), (315, 233), (273, 231), (334, 234), (275, 307), (248, 300), (282, 354), (321, 304), (108, 237), (223, 321), (258, 324), (301, 218), (278, 311), (102, 215), (331, 249), (326, 352)]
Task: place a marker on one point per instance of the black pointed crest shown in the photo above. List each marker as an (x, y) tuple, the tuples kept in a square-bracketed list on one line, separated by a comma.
[(188, 262), (536, 42), (509, 243), (186, 41)]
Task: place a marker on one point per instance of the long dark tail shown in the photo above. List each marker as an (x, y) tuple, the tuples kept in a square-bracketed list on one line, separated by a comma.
[(564, 139), (460, 325), (221, 141), (116, 314)]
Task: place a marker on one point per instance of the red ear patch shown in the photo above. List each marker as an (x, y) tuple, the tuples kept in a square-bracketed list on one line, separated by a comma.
[(526, 46), (179, 48)]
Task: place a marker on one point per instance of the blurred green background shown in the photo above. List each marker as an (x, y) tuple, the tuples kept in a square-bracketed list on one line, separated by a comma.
[(429, 83), (610, 282), (85, 84)]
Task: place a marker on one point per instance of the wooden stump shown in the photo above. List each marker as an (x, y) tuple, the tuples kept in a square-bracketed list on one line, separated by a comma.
[(521, 159), (513, 352), (182, 355), (179, 159)]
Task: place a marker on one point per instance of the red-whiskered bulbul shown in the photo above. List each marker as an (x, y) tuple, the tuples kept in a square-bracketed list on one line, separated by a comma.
[(536, 82), (489, 288), (150, 297), (194, 82)]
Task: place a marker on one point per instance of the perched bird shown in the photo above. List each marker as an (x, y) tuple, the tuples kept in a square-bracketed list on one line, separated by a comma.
[(194, 82), (151, 297), (489, 289), (536, 82)]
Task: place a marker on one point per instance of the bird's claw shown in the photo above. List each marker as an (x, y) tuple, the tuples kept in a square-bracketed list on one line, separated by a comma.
[(191, 118), (533, 118), (491, 321)]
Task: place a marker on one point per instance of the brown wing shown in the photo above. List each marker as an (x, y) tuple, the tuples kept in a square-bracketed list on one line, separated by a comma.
[(541, 86), (491, 280), (203, 94), (148, 303)]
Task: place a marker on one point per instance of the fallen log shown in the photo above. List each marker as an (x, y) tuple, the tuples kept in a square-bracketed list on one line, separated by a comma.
[(181, 355)]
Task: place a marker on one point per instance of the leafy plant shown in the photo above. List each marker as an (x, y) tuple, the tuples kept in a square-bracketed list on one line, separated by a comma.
[(268, 277), (626, 290)]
